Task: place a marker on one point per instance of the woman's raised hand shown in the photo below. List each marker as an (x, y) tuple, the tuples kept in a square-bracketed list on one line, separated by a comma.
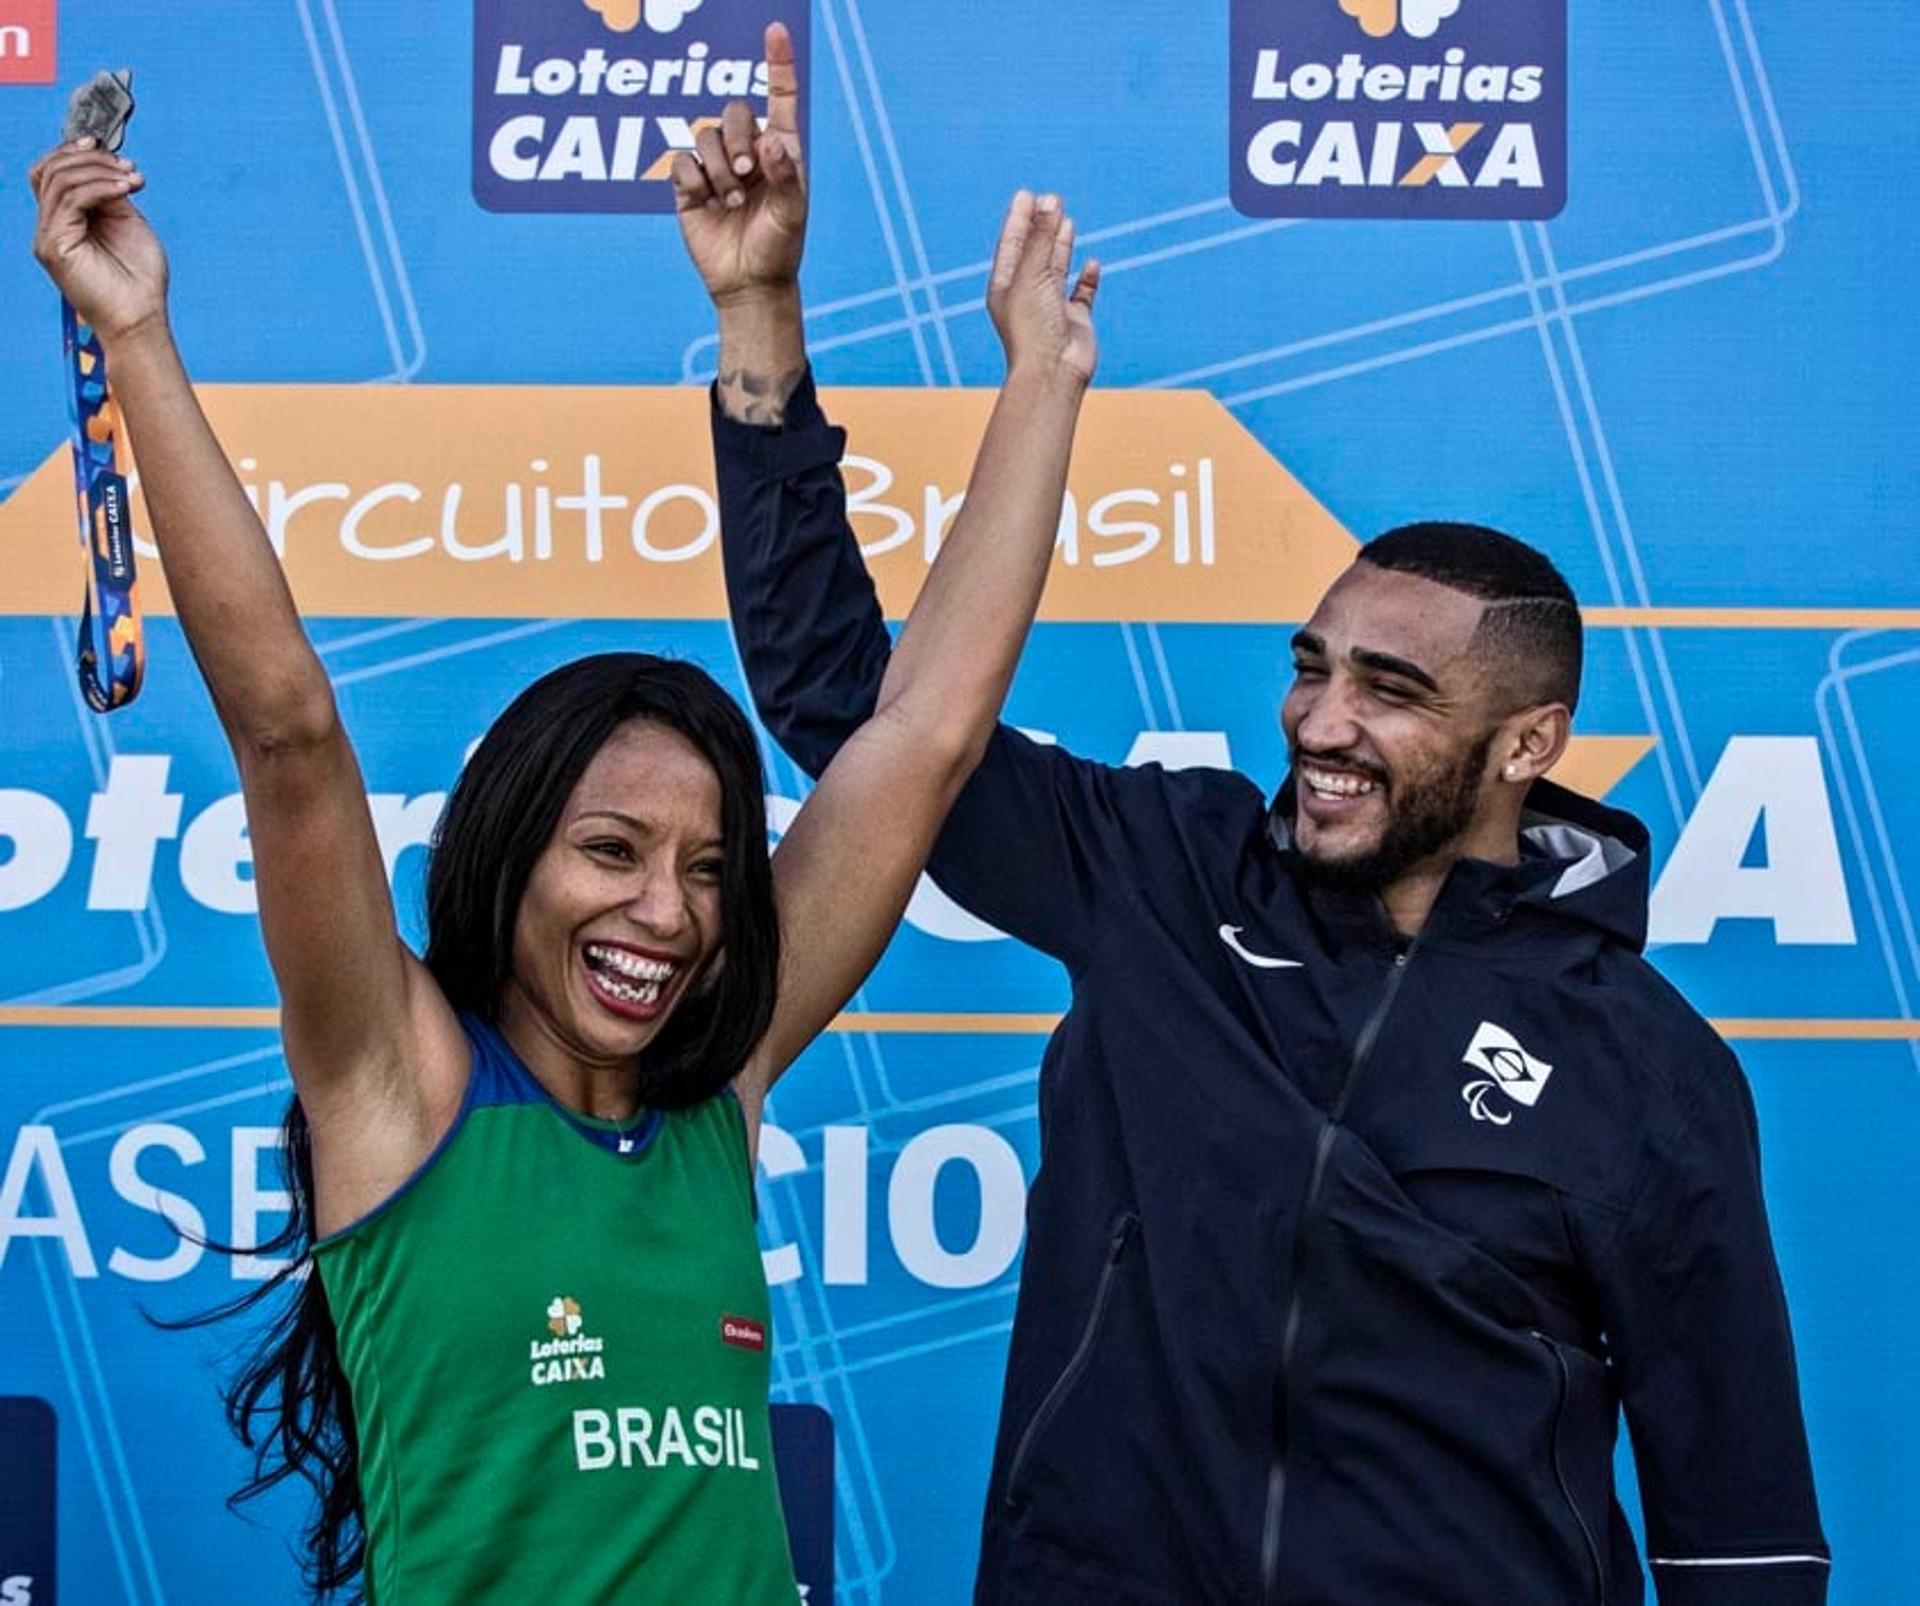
[(95, 246), (1040, 324)]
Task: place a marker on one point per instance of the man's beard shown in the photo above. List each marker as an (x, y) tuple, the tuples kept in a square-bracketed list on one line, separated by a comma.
[(1428, 815)]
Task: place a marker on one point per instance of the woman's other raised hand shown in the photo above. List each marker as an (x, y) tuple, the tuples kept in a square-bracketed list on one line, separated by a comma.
[(1041, 324)]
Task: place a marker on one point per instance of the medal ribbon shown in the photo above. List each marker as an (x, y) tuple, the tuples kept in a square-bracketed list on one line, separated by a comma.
[(112, 653)]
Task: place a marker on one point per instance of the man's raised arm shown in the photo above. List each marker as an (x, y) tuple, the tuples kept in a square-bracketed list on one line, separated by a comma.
[(1038, 838), (810, 631)]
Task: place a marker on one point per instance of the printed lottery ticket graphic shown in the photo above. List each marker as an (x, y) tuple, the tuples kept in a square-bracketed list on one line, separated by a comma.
[(1687, 380)]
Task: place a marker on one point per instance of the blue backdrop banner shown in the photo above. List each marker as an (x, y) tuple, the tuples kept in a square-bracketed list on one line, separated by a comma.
[(1630, 278)]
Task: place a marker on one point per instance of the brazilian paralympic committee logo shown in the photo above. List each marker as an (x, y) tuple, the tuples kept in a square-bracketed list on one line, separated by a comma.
[(1424, 109), (1508, 1073), (580, 105)]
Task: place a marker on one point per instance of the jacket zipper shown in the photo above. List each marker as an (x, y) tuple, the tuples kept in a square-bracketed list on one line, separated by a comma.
[(1056, 1396), (1290, 1330), (1559, 1473)]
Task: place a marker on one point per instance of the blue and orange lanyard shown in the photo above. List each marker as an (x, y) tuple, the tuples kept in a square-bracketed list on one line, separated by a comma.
[(112, 653)]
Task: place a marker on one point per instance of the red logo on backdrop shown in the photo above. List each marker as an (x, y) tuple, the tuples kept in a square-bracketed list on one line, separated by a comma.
[(26, 41), (742, 1334)]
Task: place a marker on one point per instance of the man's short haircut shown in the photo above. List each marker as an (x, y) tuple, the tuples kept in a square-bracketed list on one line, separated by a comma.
[(1530, 631)]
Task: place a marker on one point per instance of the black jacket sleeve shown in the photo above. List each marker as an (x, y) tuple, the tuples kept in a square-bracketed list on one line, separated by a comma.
[(1692, 1300), (804, 611), (1038, 837)]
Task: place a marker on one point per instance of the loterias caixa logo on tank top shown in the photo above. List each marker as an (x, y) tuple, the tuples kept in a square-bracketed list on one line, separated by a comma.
[(1431, 109), (580, 105), (569, 1354)]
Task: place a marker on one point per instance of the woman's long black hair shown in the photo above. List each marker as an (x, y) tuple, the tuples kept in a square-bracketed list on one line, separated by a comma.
[(289, 1403)]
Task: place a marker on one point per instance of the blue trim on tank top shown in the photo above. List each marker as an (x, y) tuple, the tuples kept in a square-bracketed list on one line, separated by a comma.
[(505, 1079), (496, 1078)]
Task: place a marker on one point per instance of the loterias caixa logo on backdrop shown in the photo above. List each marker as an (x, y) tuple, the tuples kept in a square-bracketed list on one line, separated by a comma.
[(1399, 108), (579, 105)]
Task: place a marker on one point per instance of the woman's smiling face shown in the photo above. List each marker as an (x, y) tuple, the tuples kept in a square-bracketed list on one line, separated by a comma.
[(621, 914)]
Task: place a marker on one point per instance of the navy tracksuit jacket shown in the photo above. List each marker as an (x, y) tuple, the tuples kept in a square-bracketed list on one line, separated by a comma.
[(1344, 1254)]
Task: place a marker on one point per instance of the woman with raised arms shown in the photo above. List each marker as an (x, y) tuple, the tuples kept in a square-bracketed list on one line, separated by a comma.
[(533, 1364)]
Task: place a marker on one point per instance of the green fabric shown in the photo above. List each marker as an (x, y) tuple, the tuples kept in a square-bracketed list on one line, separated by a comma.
[(514, 1448)]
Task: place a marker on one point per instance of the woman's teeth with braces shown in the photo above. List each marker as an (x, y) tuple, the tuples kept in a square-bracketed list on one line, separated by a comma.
[(628, 977), (645, 993)]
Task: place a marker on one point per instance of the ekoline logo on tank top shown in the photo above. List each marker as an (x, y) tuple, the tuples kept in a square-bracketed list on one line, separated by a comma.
[(580, 105), (1434, 109), (571, 1354)]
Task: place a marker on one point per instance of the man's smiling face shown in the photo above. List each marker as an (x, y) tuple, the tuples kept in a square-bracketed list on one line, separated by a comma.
[(1389, 725)]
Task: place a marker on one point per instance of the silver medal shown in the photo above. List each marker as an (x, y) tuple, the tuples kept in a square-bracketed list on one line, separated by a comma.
[(101, 108)]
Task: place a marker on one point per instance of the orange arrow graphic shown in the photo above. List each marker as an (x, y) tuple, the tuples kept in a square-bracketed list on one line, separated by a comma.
[(1595, 765)]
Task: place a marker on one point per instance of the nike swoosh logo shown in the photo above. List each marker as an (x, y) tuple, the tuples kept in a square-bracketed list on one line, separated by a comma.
[(1230, 935)]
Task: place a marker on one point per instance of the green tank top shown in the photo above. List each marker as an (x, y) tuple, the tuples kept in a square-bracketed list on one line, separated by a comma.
[(556, 1335)]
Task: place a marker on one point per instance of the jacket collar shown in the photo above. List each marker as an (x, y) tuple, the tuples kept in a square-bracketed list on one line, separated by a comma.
[(1583, 866)]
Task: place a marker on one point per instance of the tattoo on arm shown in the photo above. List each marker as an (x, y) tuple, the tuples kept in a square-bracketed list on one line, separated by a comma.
[(757, 398)]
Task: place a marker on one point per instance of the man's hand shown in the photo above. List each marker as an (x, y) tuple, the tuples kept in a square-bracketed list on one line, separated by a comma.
[(94, 245), (742, 194), (1042, 327)]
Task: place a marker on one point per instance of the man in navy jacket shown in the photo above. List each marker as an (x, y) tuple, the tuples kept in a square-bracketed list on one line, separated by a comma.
[(1379, 1169)]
